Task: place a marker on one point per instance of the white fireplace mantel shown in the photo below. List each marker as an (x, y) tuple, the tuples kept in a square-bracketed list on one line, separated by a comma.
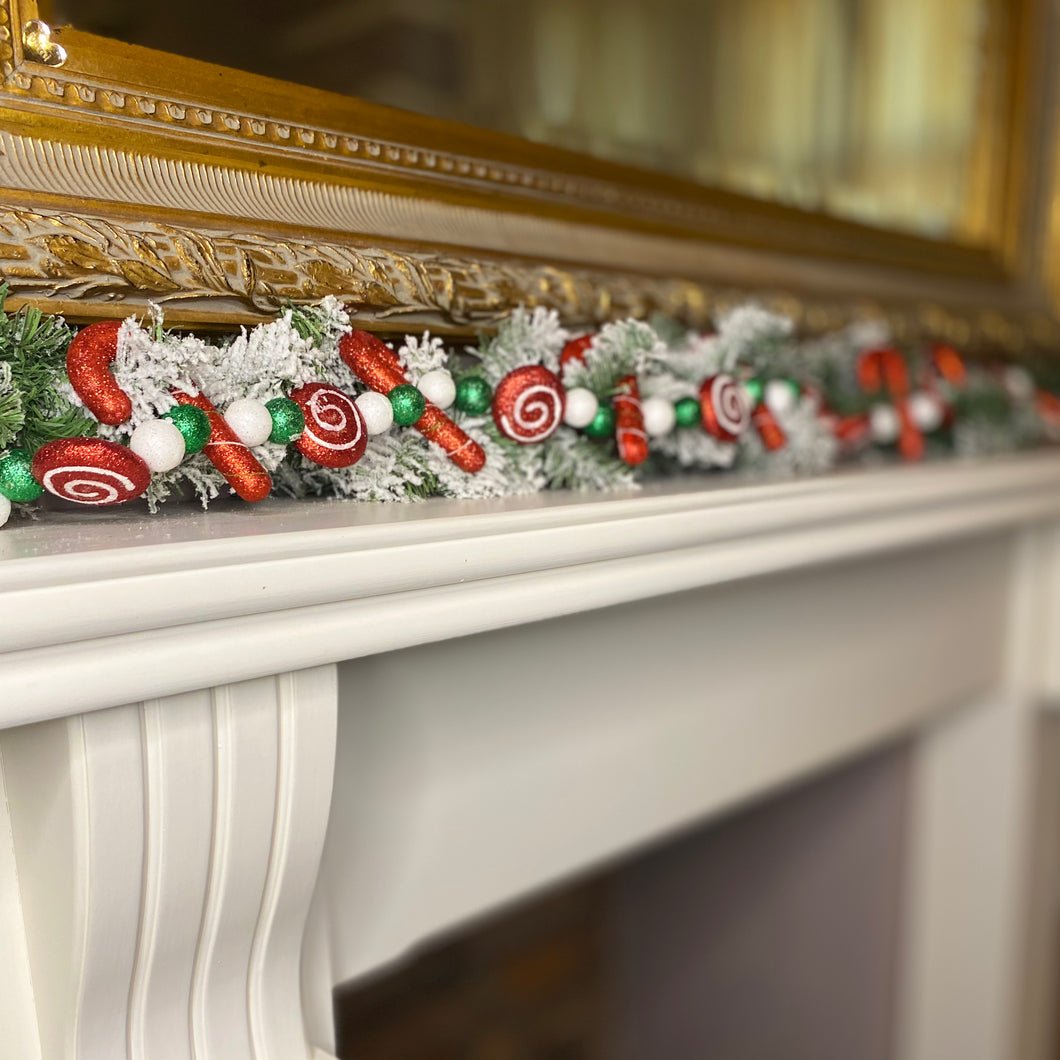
[(228, 787)]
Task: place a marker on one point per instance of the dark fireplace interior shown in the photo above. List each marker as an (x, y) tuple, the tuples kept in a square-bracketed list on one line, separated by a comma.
[(770, 935)]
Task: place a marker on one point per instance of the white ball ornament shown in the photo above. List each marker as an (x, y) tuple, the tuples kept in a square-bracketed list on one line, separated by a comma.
[(780, 397), (159, 444), (659, 416), (1019, 383), (438, 388), (926, 410), (377, 411), (251, 421), (581, 407), (5, 509), (884, 424)]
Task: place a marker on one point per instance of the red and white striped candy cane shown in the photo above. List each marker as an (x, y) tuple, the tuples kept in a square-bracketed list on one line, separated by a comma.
[(376, 365), (630, 436)]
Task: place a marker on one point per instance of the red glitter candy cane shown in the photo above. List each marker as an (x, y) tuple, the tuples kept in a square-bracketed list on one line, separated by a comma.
[(228, 454), (376, 365), (88, 362), (885, 369), (630, 436)]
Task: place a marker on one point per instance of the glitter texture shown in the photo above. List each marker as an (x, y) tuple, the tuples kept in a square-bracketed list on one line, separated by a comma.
[(374, 363), (90, 471), (194, 424), (688, 412), (16, 477), (528, 404), (473, 395), (88, 362), (288, 422), (408, 404), (228, 454), (335, 433)]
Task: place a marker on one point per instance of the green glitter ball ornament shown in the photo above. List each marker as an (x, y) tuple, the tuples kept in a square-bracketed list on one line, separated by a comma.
[(473, 395), (408, 404), (755, 389), (288, 422), (603, 423), (193, 423), (16, 477), (688, 412)]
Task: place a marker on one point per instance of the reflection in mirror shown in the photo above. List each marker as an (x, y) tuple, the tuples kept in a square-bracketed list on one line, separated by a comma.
[(866, 109)]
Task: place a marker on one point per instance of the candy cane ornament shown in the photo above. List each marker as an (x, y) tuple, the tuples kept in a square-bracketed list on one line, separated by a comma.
[(377, 366), (885, 369), (88, 362), (228, 454), (630, 435)]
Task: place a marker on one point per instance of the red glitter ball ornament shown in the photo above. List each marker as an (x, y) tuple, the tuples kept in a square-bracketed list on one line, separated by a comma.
[(90, 471), (335, 433), (88, 361), (528, 404), (228, 454), (630, 436), (725, 407)]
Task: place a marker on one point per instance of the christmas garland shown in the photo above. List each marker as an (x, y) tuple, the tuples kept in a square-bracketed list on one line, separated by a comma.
[(311, 406)]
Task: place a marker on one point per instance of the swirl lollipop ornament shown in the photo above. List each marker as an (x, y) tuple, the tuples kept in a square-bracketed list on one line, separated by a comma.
[(335, 434), (724, 406), (528, 405), (90, 471)]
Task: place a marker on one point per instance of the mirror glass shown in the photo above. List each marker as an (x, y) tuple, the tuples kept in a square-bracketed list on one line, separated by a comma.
[(864, 109)]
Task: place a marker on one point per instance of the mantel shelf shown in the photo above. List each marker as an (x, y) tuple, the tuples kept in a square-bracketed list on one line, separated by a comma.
[(136, 606)]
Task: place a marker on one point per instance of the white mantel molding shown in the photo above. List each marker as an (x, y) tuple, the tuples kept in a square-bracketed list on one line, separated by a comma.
[(117, 607)]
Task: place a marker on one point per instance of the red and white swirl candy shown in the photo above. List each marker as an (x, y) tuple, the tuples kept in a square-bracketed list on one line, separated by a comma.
[(725, 406), (528, 404), (335, 433), (90, 471)]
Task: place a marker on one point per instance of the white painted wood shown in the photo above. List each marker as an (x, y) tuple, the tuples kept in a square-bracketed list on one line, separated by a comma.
[(471, 772), (18, 1012), (166, 853), (964, 980), (113, 610)]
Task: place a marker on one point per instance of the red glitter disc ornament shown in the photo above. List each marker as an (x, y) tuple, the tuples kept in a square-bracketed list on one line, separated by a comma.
[(88, 361), (375, 364), (335, 433), (228, 454), (90, 471), (725, 406), (528, 404), (630, 436)]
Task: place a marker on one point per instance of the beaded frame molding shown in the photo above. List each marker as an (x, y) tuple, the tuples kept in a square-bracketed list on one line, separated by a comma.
[(130, 177)]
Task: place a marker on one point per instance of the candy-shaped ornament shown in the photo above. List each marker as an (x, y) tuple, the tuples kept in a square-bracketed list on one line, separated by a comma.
[(335, 433), (630, 435), (88, 361), (528, 404), (724, 407), (90, 471), (228, 453), (377, 366)]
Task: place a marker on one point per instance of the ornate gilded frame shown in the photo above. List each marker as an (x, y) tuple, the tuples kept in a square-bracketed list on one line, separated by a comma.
[(129, 176)]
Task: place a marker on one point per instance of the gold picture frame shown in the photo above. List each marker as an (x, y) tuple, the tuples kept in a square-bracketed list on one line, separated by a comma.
[(129, 176)]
